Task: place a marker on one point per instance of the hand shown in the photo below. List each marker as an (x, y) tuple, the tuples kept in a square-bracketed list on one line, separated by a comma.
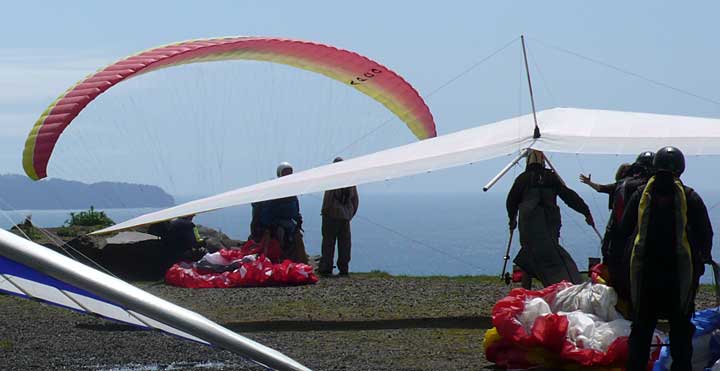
[(586, 179), (589, 220), (512, 224)]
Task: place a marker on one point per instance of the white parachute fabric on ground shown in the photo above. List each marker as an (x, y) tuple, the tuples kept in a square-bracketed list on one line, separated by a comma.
[(569, 130), (534, 308), (588, 309), (599, 300), (591, 332), (593, 322)]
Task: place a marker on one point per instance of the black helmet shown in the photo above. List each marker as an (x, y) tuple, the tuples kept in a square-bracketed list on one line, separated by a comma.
[(669, 159), (645, 159)]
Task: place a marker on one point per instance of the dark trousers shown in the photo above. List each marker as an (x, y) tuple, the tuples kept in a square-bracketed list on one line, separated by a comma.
[(335, 230), (654, 303)]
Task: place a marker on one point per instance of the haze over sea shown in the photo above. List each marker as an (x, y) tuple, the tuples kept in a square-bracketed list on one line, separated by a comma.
[(413, 234)]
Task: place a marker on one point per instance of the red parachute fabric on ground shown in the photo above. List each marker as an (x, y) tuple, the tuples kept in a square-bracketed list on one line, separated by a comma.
[(547, 338), (270, 248), (260, 272)]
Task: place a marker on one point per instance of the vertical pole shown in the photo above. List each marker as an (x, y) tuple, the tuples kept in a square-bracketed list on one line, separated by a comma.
[(532, 97)]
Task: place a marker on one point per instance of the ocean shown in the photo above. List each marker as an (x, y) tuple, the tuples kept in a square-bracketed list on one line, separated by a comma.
[(410, 234)]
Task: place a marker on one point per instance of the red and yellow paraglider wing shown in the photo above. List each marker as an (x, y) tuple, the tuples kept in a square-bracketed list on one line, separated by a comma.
[(365, 75)]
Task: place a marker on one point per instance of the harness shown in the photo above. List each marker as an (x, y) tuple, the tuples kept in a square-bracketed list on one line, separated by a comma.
[(683, 252)]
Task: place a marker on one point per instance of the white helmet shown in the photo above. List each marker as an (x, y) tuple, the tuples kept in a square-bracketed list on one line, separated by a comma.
[(282, 167)]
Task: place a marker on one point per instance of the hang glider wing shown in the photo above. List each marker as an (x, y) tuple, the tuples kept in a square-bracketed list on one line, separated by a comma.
[(32, 271), (587, 131), (568, 130)]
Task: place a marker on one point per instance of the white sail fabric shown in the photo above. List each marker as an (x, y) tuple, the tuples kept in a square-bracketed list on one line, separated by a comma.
[(586, 131), (569, 130)]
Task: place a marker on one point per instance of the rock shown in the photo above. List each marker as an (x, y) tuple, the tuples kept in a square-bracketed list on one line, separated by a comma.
[(130, 255)]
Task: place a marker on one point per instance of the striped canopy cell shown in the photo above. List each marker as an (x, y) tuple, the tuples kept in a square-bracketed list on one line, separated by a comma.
[(361, 73)]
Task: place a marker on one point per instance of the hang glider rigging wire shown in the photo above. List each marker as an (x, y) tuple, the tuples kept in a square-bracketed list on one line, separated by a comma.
[(432, 92), (627, 72), (55, 240)]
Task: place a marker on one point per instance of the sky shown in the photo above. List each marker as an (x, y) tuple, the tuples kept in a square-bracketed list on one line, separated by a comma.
[(201, 129)]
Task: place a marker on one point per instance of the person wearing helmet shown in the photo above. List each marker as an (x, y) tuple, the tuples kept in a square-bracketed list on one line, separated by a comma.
[(284, 169), (280, 216), (672, 240), (534, 197), (338, 208), (614, 247)]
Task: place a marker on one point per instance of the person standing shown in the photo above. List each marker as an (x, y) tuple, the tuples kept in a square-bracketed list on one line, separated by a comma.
[(338, 208), (534, 197), (672, 243), (615, 251)]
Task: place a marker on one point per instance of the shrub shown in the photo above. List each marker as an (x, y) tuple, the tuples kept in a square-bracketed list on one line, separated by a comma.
[(89, 218)]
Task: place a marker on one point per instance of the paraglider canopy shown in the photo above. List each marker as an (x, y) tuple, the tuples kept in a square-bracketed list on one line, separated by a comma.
[(361, 73)]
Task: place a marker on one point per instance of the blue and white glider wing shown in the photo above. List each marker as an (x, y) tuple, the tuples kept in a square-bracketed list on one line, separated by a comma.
[(35, 272), (20, 280)]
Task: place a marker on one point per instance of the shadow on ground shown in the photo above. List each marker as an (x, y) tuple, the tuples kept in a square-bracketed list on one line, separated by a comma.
[(477, 322)]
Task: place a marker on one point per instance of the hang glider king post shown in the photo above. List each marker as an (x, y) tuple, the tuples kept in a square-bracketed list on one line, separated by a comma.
[(536, 134)]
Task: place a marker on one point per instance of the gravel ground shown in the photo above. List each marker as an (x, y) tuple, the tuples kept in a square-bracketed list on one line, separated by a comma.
[(364, 322)]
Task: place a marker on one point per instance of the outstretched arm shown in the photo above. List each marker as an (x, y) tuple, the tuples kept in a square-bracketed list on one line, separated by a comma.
[(513, 201), (602, 188)]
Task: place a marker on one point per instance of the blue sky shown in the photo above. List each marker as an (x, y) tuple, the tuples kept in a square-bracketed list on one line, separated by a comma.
[(166, 129)]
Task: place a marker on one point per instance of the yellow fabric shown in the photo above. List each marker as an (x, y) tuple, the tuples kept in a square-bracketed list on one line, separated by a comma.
[(491, 337), (197, 234), (683, 251)]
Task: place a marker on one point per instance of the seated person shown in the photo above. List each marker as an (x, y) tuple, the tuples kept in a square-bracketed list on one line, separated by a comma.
[(183, 240), (280, 218)]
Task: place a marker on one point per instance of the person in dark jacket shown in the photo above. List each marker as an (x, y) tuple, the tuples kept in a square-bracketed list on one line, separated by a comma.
[(534, 196), (672, 242), (183, 239), (338, 208), (281, 216), (614, 246)]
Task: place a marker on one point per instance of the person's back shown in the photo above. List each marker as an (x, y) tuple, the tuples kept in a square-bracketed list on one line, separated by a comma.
[(286, 208), (182, 239), (672, 241), (340, 203), (534, 197), (338, 208)]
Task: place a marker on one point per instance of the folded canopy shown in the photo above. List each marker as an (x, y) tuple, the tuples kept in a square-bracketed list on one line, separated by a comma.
[(566, 130)]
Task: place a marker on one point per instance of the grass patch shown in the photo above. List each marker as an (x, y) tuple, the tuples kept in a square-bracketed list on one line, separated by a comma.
[(5, 344), (464, 278)]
